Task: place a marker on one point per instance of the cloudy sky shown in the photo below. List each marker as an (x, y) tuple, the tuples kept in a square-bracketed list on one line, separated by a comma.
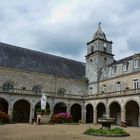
[(63, 27)]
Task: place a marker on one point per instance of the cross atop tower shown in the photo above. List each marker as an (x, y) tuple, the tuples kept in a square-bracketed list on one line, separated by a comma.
[(99, 24)]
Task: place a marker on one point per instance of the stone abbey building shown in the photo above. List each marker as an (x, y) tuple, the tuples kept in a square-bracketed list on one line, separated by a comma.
[(86, 90)]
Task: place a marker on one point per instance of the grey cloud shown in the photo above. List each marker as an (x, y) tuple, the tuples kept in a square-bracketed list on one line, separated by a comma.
[(26, 23), (134, 43)]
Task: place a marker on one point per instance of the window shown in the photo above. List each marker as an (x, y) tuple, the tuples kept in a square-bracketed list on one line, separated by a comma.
[(114, 69), (92, 49), (118, 86), (105, 47), (125, 66), (104, 88), (36, 89), (135, 84), (61, 91), (105, 71), (23, 88), (8, 86), (135, 63)]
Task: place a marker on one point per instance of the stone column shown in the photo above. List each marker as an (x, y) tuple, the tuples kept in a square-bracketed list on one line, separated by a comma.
[(83, 113), (108, 112), (139, 120), (95, 116), (51, 109), (10, 112), (123, 115), (68, 107), (32, 112)]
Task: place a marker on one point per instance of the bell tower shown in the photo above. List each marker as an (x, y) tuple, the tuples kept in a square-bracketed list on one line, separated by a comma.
[(99, 55)]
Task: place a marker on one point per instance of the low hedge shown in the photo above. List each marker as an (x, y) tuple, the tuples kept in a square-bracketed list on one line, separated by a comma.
[(116, 132)]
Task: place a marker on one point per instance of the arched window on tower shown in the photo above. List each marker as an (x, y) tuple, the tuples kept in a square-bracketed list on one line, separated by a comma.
[(92, 49), (105, 47), (37, 89), (8, 87)]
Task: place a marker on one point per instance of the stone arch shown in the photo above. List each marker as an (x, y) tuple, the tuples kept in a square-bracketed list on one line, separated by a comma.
[(115, 111), (131, 99), (101, 109), (89, 113), (60, 107), (116, 102), (21, 111), (132, 113), (4, 105), (38, 106), (76, 112)]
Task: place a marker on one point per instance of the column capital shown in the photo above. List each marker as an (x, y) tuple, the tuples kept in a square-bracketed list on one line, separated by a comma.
[(123, 110)]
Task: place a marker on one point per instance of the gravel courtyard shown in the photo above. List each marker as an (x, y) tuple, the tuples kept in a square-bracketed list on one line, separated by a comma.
[(56, 132)]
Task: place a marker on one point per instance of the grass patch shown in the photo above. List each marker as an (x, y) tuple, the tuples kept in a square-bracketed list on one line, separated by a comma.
[(116, 132)]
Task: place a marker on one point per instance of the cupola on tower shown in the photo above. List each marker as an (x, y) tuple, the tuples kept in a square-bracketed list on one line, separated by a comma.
[(99, 54)]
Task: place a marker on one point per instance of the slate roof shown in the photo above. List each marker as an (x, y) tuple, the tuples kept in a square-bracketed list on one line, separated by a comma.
[(21, 58), (124, 59)]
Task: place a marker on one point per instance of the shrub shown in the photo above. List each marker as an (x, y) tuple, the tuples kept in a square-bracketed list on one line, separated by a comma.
[(61, 118), (4, 118), (106, 132), (41, 111)]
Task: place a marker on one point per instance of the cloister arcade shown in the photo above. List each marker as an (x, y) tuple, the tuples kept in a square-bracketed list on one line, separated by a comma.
[(23, 110)]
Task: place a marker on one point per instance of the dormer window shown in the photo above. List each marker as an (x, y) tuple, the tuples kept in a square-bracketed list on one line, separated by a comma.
[(125, 66), (113, 71), (135, 63), (105, 71)]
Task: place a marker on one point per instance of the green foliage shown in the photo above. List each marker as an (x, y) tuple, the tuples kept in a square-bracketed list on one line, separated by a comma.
[(42, 111), (106, 132), (4, 118)]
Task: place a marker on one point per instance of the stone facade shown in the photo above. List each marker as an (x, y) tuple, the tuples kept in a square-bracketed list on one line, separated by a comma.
[(108, 86)]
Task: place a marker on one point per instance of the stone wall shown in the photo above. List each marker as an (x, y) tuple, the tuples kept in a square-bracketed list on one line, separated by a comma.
[(49, 83)]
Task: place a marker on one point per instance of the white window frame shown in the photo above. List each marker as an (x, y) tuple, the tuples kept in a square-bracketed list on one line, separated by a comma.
[(113, 70), (135, 63), (125, 67), (105, 71), (118, 86), (104, 88), (135, 83)]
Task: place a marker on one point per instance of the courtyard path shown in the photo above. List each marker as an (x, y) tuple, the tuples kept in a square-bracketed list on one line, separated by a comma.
[(57, 132)]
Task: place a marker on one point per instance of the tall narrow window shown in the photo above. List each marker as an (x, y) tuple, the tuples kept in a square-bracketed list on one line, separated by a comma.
[(114, 69), (135, 84), (92, 49), (105, 71), (135, 63), (125, 67), (118, 86), (104, 88)]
